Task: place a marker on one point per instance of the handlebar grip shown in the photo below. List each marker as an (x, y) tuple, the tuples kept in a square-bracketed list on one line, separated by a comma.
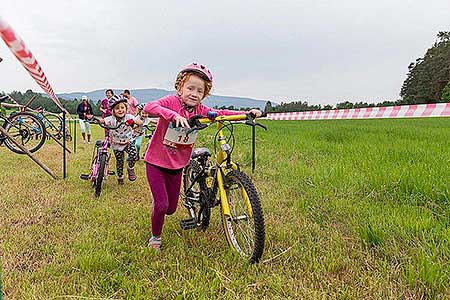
[(193, 121)]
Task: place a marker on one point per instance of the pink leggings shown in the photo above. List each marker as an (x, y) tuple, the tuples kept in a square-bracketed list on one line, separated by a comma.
[(165, 186)]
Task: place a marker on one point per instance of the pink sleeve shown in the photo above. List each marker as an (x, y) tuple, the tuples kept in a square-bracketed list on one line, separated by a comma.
[(161, 108)]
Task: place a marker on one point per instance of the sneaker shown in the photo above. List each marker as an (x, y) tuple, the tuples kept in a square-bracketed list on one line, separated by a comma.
[(131, 174), (120, 181), (84, 141), (89, 142), (154, 242)]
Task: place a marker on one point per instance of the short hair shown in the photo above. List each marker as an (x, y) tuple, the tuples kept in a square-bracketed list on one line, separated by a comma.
[(184, 75), (126, 92), (109, 90)]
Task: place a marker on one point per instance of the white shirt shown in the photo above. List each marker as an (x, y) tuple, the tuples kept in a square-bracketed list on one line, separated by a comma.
[(121, 136)]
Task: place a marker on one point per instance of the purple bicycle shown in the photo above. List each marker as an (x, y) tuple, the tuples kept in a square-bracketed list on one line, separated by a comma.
[(100, 160)]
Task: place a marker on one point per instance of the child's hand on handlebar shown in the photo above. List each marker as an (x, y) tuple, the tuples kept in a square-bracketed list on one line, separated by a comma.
[(255, 112), (181, 121)]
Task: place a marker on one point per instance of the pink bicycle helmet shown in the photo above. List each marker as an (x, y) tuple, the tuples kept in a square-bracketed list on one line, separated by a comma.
[(202, 70)]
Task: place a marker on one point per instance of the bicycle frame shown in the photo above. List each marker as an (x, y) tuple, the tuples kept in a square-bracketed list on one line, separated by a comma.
[(207, 184), (224, 162), (95, 163)]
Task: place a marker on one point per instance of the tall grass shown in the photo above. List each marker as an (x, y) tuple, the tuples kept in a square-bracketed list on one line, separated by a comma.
[(354, 210)]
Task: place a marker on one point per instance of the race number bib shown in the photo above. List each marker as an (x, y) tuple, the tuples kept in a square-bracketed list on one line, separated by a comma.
[(178, 136)]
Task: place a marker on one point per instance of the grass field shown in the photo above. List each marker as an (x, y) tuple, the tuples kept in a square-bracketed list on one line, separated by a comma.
[(354, 209)]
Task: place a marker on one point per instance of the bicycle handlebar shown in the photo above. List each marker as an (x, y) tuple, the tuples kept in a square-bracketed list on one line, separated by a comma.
[(199, 122), (95, 120)]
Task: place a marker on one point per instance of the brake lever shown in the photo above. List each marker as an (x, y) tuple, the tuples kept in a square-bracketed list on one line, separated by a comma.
[(197, 127), (193, 121), (261, 125), (195, 124)]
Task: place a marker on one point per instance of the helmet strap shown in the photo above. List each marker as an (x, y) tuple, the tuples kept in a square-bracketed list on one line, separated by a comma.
[(187, 107)]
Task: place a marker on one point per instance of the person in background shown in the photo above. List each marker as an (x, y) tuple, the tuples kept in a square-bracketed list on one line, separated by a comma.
[(132, 102), (84, 111), (104, 104)]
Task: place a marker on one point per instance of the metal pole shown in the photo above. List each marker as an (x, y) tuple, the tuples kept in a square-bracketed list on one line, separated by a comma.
[(253, 148), (64, 144), (74, 136)]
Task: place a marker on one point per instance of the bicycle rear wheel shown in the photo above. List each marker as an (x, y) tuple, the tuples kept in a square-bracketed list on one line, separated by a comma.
[(27, 130), (244, 229), (100, 174)]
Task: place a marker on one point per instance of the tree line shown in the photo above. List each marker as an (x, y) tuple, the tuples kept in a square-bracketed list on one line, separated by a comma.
[(45, 102)]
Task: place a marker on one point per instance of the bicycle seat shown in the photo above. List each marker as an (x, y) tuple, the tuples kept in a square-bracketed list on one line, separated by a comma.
[(3, 98), (99, 144), (198, 152)]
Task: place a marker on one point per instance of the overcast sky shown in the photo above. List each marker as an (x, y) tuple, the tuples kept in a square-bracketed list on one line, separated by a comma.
[(310, 50)]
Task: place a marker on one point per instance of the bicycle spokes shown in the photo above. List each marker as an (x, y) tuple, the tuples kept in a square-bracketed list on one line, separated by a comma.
[(240, 221), (25, 129), (245, 224)]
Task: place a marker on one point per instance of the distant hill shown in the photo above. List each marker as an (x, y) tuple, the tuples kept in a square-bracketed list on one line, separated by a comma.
[(147, 95)]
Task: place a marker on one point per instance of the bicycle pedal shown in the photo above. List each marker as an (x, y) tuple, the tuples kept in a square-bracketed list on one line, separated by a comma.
[(188, 224), (84, 176)]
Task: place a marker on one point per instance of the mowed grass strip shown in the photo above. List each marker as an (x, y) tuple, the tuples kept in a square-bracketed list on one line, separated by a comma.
[(354, 209)]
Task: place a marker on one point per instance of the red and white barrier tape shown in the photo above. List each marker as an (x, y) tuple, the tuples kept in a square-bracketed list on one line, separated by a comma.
[(403, 111), (26, 58)]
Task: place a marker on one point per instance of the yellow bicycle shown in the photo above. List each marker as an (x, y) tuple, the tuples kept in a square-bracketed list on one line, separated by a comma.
[(207, 184)]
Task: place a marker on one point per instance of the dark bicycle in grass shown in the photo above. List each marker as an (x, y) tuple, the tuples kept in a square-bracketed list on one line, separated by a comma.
[(25, 128), (100, 160), (53, 123), (207, 184)]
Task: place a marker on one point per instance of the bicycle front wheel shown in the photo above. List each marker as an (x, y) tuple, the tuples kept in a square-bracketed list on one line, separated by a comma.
[(244, 228), (100, 174), (196, 196), (27, 130)]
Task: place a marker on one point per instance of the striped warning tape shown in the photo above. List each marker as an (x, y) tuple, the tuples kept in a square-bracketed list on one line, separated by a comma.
[(401, 111), (26, 58)]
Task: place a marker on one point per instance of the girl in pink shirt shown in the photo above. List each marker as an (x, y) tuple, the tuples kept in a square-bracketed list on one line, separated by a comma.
[(165, 160)]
